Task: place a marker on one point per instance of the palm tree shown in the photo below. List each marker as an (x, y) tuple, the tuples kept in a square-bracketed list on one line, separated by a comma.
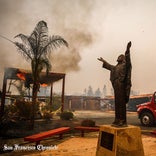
[(36, 49)]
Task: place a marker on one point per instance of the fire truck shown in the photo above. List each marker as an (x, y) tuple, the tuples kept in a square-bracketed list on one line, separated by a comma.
[(147, 112)]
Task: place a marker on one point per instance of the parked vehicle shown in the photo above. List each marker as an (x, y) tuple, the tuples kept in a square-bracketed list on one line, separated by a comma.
[(147, 112)]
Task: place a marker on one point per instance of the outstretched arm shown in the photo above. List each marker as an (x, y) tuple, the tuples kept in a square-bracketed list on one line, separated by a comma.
[(127, 55), (105, 64), (128, 47), (101, 59)]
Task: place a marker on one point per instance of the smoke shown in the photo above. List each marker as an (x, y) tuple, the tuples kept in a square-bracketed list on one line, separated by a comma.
[(67, 60), (92, 28), (64, 18), (71, 21)]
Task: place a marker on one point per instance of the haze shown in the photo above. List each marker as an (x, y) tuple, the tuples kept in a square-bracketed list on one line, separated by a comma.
[(93, 28)]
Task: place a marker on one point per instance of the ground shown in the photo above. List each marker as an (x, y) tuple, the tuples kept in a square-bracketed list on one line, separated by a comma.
[(73, 144), (87, 147), (78, 146)]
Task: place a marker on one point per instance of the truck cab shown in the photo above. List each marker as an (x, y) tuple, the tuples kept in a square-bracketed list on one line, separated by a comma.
[(147, 112)]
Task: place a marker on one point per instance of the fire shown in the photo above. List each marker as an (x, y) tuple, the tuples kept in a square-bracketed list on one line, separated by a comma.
[(21, 76), (44, 85)]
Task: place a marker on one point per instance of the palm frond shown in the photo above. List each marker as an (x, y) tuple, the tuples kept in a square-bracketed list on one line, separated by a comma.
[(40, 34), (39, 64), (6, 38), (46, 64), (23, 50), (58, 40), (33, 44), (24, 38), (54, 42)]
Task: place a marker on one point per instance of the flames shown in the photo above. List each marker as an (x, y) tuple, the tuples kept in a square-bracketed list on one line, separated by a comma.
[(21, 76), (44, 85)]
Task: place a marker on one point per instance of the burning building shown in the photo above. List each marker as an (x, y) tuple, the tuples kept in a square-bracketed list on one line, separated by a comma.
[(26, 76)]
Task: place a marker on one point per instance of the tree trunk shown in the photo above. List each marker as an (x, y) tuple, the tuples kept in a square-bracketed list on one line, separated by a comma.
[(34, 100)]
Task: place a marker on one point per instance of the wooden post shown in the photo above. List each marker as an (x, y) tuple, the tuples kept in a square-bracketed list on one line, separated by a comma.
[(3, 96), (51, 94), (63, 87)]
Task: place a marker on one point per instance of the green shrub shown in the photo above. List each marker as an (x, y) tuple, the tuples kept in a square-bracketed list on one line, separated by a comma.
[(66, 115), (88, 123)]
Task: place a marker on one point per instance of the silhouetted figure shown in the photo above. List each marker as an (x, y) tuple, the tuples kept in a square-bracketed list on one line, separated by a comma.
[(120, 78)]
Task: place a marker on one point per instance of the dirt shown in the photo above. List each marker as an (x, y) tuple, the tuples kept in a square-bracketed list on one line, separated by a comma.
[(78, 146), (73, 144)]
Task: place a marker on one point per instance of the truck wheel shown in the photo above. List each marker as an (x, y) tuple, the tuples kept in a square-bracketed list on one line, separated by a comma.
[(147, 119)]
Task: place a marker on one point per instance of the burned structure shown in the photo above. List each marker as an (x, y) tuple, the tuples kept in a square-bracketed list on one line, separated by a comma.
[(82, 103), (26, 75)]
